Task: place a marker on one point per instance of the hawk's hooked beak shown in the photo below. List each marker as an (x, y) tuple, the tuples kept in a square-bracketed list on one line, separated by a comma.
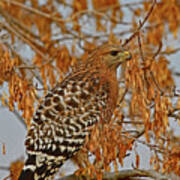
[(123, 57), (127, 55)]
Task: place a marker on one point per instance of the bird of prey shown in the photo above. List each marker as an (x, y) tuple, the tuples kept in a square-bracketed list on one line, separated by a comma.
[(66, 115)]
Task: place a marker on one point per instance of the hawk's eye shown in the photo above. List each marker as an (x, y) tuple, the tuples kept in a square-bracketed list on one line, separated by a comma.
[(114, 53)]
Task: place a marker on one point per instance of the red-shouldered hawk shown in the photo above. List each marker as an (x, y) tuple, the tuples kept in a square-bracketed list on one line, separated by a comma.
[(68, 112)]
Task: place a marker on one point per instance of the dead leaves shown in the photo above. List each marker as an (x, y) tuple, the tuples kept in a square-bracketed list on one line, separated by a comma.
[(166, 11), (147, 83), (15, 169), (21, 92), (7, 66)]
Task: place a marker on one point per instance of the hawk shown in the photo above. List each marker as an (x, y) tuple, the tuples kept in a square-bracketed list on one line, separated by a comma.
[(66, 115)]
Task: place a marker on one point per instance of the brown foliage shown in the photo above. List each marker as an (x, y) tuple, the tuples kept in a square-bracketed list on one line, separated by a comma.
[(60, 38), (15, 169)]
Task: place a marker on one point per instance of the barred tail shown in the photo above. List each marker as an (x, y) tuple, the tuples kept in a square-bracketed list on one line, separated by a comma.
[(27, 174), (37, 168), (29, 169)]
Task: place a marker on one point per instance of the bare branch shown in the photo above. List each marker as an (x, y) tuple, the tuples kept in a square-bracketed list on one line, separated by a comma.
[(170, 52), (69, 19), (156, 83), (4, 168), (122, 175), (158, 51), (141, 25), (140, 47)]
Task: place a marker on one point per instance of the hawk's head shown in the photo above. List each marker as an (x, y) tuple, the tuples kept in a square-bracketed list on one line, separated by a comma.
[(111, 55)]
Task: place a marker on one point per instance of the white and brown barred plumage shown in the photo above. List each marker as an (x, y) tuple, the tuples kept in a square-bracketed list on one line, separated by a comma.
[(68, 112)]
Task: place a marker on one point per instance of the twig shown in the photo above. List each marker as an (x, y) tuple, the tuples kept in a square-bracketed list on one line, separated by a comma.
[(26, 40), (4, 168), (69, 19), (142, 58), (141, 25), (158, 51), (139, 133), (140, 47), (133, 132), (35, 11), (154, 147), (131, 122), (33, 46), (23, 36), (21, 28), (122, 97), (156, 83), (19, 24), (27, 67), (169, 52)]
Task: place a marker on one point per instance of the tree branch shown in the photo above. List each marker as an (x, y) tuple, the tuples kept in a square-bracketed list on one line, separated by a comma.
[(141, 24), (122, 175)]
